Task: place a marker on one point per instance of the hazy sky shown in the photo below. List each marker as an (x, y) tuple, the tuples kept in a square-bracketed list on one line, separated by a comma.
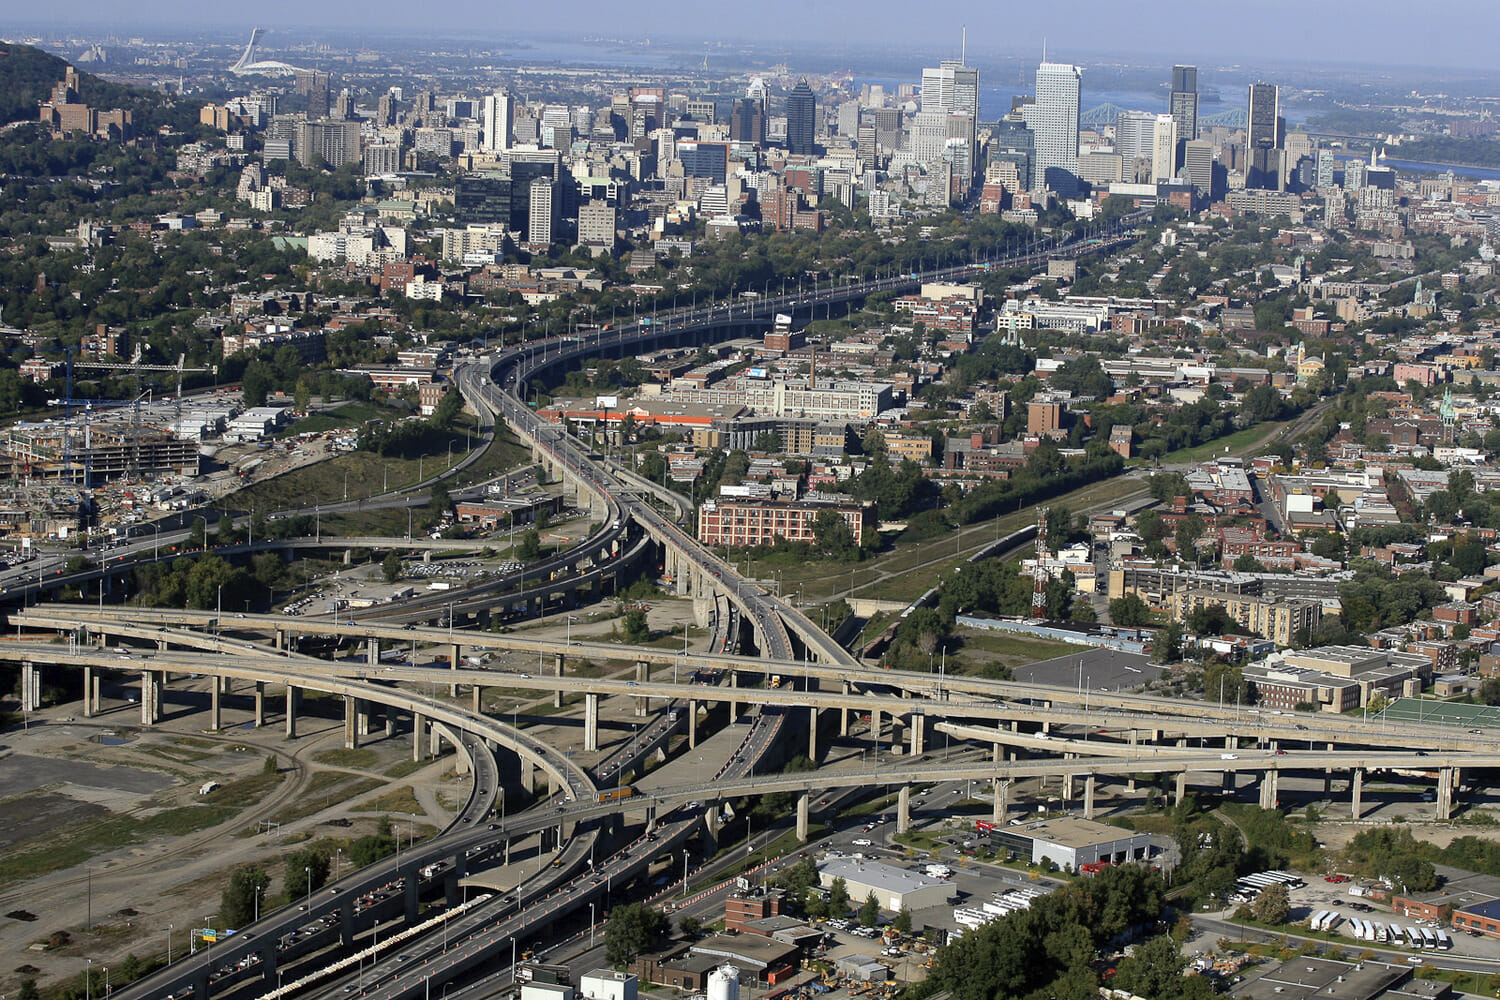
[(1444, 33)]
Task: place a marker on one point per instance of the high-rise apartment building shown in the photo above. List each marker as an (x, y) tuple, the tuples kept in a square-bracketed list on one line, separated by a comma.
[(542, 214), (335, 143), (1134, 134), (801, 120), (1053, 119), (1164, 149), (497, 118), (1184, 102), (1325, 169)]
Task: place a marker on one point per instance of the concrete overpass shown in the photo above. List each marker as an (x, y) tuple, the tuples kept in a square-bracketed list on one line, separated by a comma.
[(920, 695)]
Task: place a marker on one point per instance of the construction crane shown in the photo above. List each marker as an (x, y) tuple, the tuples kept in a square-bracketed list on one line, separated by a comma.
[(135, 367)]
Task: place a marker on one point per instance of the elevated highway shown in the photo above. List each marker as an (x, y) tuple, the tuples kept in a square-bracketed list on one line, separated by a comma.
[(896, 694)]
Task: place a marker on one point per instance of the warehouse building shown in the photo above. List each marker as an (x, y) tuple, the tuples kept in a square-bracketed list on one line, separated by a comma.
[(1068, 842), (894, 888)]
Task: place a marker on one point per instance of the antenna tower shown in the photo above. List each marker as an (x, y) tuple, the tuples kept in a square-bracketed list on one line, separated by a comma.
[(1039, 574)]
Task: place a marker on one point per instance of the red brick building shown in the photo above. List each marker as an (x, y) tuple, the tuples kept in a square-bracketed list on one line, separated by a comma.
[(747, 522)]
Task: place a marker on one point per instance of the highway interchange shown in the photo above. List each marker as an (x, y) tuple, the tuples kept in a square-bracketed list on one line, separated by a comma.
[(785, 643)]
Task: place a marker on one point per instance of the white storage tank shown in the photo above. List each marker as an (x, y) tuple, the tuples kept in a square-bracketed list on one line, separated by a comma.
[(724, 983)]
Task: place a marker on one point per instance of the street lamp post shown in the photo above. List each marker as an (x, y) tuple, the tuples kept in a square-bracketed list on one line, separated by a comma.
[(169, 943), (591, 925), (308, 871), (684, 872)]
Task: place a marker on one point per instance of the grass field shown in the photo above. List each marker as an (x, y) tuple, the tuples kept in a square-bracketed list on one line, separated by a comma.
[(67, 848), (1442, 713), (981, 645), (365, 474), (1232, 442)]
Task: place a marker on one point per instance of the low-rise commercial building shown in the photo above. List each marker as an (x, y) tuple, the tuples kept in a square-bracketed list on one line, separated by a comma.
[(894, 888), (1068, 842)]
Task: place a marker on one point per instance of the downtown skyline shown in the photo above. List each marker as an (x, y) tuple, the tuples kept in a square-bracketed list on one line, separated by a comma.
[(1450, 38)]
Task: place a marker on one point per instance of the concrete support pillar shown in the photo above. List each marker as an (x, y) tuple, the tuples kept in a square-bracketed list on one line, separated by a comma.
[(260, 704), (1328, 777), (918, 734), (88, 692), (1088, 797), (215, 715), (903, 809), (642, 674), (1181, 787), (1001, 789), (734, 706), (1067, 782), (351, 724), (557, 696), (31, 687), (1357, 793), (1269, 791), (372, 652), (151, 697), (692, 724), (477, 694), (362, 717), (812, 734), (278, 640), (1444, 810), (418, 735), (875, 726), (293, 699), (802, 806), (844, 714), (591, 722)]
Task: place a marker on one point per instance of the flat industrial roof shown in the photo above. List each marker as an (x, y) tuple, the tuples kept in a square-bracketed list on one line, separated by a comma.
[(878, 875)]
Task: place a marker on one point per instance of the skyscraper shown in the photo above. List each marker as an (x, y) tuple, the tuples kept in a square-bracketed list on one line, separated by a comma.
[(1053, 120), (496, 121), (1164, 149), (1198, 162), (1263, 138), (801, 120), (952, 86), (1134, 131), (747, 121), (1265, 112), (1184, 102)]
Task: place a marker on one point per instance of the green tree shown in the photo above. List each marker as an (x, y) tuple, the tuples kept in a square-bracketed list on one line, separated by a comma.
[(838, 897), (1247, 563), (446, 412), (238, 906), (869, 912), (28, 990), (633, 928), (303, 868), (1189, 530), (689, 926), (390, 567), (1129, 610), (903, 921), (1155, 971), (1273, 905), (635, 626), (530, 548), (834, 536)]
